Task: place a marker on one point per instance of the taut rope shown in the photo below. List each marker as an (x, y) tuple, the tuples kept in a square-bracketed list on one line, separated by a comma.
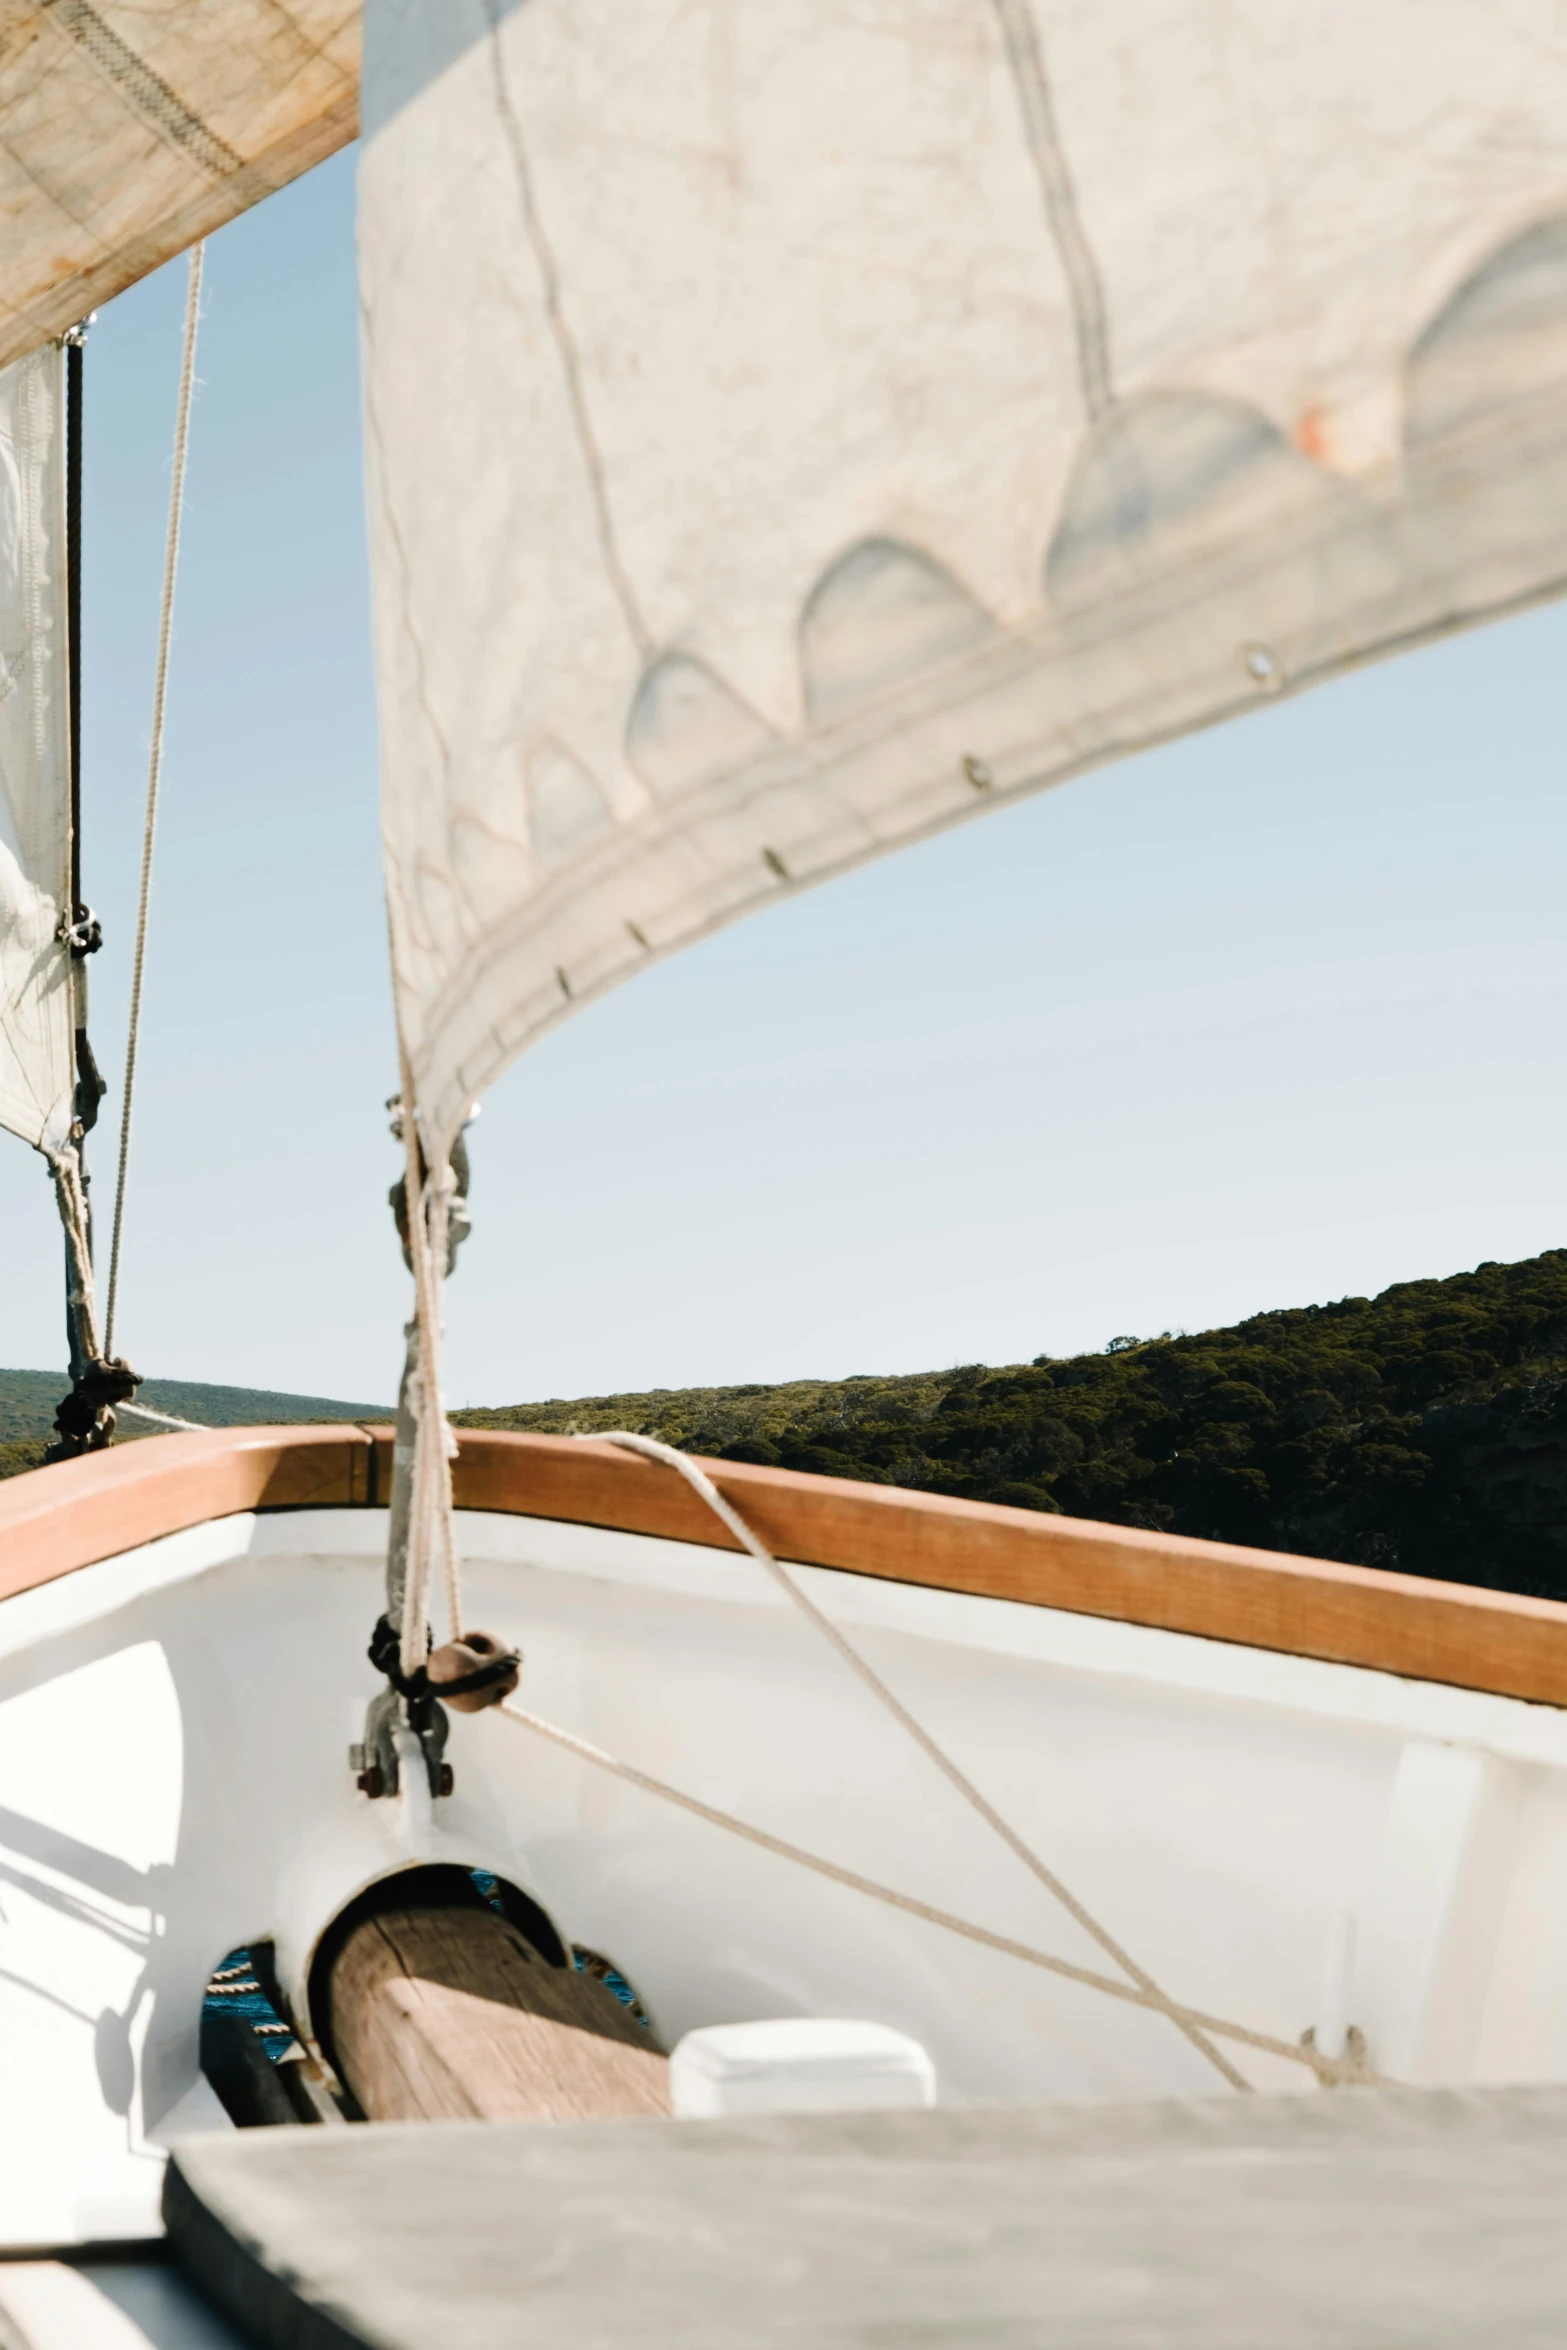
[(430, 1517), (171, 555), (700, 1483), (144, 1411), (1332, 2072)]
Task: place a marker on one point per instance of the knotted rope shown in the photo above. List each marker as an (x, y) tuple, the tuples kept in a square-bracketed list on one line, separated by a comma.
[(465, 1673)]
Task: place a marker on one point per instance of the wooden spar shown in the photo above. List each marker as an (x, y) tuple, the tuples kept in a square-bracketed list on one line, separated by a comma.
[(55, 1520), (448, 2015)]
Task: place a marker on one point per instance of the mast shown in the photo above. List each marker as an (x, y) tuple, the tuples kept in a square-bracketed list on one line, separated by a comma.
[(75, 354), (85, 933), (84, 1420)]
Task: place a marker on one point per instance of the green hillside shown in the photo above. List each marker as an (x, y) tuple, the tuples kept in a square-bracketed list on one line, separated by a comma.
[(28, 1398), (1423, 1430)]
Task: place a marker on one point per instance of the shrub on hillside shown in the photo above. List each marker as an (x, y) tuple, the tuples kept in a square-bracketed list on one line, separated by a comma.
[(1423, 1430)]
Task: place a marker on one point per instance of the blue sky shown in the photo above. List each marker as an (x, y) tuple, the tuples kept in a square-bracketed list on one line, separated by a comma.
[(1269, 1016)]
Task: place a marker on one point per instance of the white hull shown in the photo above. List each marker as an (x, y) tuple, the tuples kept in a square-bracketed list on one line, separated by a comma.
[(173, 1733)]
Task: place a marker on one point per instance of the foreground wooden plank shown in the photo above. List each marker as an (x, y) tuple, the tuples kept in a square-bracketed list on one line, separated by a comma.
[(447, 2015), (1377, 2220)]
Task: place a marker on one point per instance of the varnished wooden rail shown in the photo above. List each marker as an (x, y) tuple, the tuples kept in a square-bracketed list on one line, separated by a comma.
[(55, 1520)]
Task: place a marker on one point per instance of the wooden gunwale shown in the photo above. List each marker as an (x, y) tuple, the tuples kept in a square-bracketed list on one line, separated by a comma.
[(55, 1520)]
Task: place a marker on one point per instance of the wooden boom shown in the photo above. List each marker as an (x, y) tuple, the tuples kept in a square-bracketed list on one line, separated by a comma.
[(448, 2015)]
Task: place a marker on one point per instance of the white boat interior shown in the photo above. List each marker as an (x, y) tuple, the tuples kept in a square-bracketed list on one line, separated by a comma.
[(1294, 1843)]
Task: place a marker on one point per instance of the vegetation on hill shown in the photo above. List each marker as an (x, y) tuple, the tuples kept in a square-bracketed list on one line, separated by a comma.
[(1424, 1430), (28, 1398)]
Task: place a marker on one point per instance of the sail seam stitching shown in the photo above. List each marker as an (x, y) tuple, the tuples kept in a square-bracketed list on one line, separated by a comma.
[(143, 90), (566, 346), (1020, 34)]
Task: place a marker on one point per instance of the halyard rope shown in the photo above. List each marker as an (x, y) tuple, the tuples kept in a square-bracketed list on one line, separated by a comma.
[(66, 1166), (171, 556), (1332, 2072), (700, 1483), (430, 1513)]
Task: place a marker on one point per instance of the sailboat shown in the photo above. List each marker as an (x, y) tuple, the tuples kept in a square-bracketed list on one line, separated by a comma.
[(790, 431)]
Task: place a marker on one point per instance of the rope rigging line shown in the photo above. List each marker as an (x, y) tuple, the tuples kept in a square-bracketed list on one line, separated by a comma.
[(144, 1411), (700, 1483), (71, 1193), (1333, 2072), (155, 763), (84, 1419), (429, 1196)]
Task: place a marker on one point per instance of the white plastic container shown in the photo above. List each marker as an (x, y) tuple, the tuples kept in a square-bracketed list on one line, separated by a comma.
[(798, 2064)]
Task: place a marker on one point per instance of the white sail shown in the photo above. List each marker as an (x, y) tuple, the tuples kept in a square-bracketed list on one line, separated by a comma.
[(131, 130), (795, 427), (37, 1042)]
